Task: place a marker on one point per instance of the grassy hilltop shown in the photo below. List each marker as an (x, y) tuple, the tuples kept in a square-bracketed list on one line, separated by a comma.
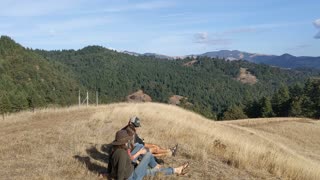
[(68, 143)]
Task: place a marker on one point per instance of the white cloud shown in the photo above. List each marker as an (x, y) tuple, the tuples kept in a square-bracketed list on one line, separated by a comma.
[(74, 24), (202, 36), (299, 47), (153, 5), (205, 38), (124, 7), (316, 23), (16, 8), (25, 8), (255, 28), (52, 32), (241, 30)]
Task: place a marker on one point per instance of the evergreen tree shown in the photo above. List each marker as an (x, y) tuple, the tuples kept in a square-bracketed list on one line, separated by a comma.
[(280, 102), (266, 107), (18, 101), (253, 109), (307, 106), (295, 109), (311, 101), (233, 113), (5, 105), (296, 90)]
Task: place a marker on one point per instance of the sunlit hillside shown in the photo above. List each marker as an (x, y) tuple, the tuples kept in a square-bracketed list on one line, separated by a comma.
[(69, 143)]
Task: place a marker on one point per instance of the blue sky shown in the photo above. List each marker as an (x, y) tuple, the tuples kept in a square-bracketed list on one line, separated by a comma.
[(171, 27)]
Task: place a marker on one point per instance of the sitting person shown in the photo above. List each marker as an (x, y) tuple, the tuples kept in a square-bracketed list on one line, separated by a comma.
[(120, 166), (138, 143)]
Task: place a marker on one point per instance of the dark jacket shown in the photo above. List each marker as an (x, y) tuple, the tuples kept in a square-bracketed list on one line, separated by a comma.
[(121, 167), (131, 130)]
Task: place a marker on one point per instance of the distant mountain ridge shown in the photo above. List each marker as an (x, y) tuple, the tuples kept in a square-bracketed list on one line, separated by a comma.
[(159, 56), (235, 55), (285, 61)]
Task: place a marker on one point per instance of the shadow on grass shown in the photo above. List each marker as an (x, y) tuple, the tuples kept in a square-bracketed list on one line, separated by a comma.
[(106, 148), (94, 153), (95, 168)]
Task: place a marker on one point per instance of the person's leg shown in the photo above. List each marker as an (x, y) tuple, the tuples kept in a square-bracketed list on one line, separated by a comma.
[(151, 146), (153, 163), (168, 171), (141, 170), (155, 170), (136, 148), (163, 154), (158, 151)]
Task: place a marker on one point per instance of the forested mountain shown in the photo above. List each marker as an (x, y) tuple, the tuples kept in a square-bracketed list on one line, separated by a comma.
[(37, 78), (209, 84), (27, 80)]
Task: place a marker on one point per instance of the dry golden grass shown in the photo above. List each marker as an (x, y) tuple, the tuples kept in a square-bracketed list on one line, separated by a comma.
[(68, 143)]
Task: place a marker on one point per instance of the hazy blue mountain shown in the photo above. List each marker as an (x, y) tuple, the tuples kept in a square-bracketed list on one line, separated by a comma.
[(229, 55), (285, 60), (159, 56), (132, 53), (289, 61)]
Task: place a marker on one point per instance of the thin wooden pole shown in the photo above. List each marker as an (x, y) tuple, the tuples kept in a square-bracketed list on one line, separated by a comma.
[(79, 99), (87, 99), (97, 98)]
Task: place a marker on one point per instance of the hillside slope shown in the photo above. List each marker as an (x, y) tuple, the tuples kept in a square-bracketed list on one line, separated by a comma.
[(70, 143), (27, 80), (211, 85)]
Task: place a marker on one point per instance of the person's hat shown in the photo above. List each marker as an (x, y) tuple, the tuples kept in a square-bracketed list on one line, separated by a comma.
[(135, 121), (122, 137)]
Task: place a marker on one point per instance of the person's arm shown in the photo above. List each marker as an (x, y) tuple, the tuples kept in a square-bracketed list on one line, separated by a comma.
[(138, 139), (141, 151), (130, 156)]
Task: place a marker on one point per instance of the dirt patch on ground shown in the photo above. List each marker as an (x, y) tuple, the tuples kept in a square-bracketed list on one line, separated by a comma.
[(179, 100), (246, 77), (175, 99), (190, 63), (139, 96)]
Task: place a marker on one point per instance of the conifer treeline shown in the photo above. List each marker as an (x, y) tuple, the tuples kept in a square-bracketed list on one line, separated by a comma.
[(295, 101), (210, 84), (38, 78)]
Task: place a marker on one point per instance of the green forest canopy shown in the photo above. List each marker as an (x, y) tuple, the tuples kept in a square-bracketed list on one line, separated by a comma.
[(40, 78)]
